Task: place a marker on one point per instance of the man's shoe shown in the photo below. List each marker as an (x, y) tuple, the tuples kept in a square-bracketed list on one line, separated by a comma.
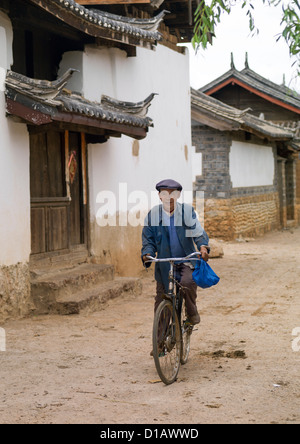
[(195, 319)]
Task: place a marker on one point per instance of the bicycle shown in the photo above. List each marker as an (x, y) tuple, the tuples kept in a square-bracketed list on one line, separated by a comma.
[(171, 328)]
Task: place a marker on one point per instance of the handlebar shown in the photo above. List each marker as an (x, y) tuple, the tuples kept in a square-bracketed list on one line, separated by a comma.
[(176, 259)]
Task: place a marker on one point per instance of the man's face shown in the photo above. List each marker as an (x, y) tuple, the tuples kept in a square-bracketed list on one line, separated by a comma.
[(169, 199)]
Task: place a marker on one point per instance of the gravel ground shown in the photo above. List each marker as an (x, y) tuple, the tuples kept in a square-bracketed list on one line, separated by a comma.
[(96, 368)]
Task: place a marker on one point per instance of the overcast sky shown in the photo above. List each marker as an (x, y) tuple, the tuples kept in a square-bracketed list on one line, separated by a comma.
[(266, 56)]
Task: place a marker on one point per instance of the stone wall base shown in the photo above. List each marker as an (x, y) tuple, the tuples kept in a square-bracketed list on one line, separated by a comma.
[(248, 216), (15, 298)]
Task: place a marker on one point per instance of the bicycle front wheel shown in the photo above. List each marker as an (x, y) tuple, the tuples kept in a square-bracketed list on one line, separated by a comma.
[(166, 343), (186, 331)]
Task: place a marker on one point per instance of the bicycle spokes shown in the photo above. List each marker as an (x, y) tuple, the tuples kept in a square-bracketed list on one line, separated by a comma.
[(166, 343), (186, 331)]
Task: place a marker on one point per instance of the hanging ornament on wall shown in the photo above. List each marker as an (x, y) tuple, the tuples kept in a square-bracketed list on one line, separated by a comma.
[(72, 166)]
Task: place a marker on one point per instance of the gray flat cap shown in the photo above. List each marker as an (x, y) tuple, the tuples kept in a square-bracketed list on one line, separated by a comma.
[(169, 184)]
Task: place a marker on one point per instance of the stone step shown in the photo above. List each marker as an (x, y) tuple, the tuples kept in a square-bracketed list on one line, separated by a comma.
[(58, 261), (291, 224), (48, 287), (87, 301)]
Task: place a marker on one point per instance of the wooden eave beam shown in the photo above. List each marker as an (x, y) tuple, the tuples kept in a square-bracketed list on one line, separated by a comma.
[(131, 131), (130, 50), (30, 16), (261, 135), (28, 115), (93, 29), (37, 118), (214, 121), (222, 124)]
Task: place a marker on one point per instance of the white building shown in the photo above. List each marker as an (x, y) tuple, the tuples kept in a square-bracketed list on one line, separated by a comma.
[(242, 175), (63, 154)]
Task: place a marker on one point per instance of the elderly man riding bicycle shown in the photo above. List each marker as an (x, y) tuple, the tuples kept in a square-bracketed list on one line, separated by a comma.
[(172, 230)]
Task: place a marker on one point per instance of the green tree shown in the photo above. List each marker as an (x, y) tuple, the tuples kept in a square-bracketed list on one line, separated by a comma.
[(209, 13)]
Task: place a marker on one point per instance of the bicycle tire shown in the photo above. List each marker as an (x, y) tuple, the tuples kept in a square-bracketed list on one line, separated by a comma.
[(186, 332), (166, 345)]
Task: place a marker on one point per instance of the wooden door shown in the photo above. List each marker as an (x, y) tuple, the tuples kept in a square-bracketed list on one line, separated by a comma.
[(57, 200)]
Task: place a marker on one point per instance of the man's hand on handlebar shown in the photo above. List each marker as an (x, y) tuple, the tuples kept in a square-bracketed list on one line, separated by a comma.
[(204, 253), (145, 258)]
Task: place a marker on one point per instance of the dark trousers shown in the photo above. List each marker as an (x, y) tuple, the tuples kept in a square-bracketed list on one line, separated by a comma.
[(189, 290)]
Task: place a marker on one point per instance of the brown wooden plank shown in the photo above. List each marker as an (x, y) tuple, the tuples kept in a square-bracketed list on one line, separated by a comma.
[(58, 228), (26, 114), (55, 164), (37, 142), (46, 165), (38, 230)]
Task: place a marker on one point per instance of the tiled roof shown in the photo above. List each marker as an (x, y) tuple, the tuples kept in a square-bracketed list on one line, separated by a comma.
[(103, 24), (52, 100), (217, 114), (117, 111), (292, 125), (248, 77)]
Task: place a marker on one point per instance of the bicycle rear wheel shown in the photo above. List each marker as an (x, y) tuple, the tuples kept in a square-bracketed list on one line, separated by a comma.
[(166, 343)]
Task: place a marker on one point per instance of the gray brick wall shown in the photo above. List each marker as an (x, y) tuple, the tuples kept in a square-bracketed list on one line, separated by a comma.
[(215, 148)]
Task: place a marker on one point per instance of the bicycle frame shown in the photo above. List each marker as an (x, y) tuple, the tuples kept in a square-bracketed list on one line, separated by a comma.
[(168, 368), (172, 294), (172, 282), (193, 256)]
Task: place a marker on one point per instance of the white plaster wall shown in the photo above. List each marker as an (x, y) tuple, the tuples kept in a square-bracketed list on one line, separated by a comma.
[(166, 151), (196, 163), (73, 59), (14, 169), (251, 165)]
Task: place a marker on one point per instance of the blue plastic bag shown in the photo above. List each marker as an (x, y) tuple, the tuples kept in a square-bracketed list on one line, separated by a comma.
[(204, 275)]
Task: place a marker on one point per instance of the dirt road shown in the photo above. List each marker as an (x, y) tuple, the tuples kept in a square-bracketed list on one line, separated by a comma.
[(96, 368)]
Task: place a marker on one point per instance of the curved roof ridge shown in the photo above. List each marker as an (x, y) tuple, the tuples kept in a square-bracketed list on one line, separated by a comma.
[(219, 114), (49, 97), (103, 24), (249, 79)]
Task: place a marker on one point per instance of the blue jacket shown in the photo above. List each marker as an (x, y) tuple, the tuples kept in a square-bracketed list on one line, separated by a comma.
[(156, 239)]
